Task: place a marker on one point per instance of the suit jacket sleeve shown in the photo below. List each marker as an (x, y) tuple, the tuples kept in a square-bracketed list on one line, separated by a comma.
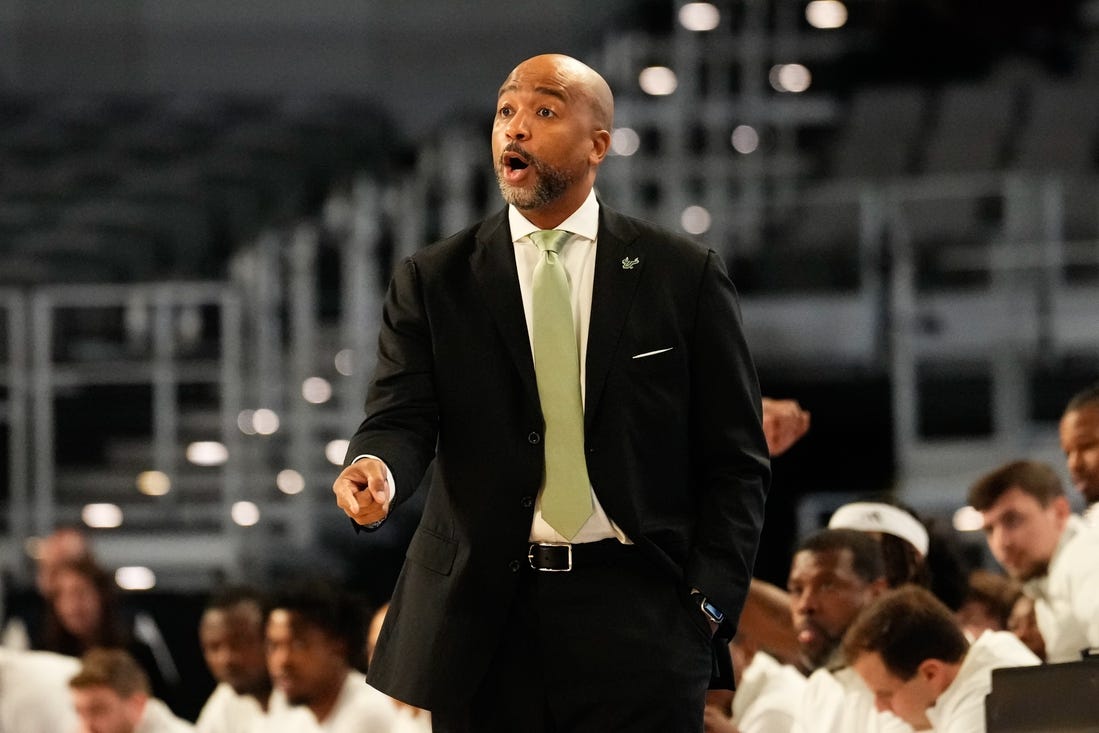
[(401, 424), (731, 460)]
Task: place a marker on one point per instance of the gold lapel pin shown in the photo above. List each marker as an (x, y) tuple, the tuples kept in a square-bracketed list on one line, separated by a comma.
[(628, 264)]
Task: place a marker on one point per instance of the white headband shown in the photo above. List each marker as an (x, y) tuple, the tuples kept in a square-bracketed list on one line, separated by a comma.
[(869, 516)]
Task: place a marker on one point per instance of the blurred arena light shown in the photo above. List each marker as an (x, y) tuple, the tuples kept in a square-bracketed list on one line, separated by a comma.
[(659, 81), (207, 453), (826, 14), (968, 519), (266, 422), (793, 78), (345, 362), (246, 422), (745, 139), (290, 481), (625, 141), (699, 16), (153, 483), (244, 513), (335, 451), (135, 577), (316, 390), (695, 220), (102, 516)]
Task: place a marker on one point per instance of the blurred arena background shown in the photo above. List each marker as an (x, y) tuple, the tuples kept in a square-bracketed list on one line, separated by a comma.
[(200, 204)]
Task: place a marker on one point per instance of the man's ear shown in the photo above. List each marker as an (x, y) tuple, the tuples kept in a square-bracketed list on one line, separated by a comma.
[(877, 587), (135, 707), (1061, 509), (600, 146), (933, 673)]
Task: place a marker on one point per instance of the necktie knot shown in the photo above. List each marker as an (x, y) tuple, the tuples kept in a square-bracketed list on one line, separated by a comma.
[(550, 240)]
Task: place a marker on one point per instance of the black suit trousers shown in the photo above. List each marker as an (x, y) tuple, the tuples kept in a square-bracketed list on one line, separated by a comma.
[(613, 645)]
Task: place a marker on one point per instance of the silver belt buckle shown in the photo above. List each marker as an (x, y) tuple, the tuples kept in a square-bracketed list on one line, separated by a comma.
[(530, 556)]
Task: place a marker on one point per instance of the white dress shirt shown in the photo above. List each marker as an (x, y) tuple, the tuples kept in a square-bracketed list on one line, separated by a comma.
[(840, 702), (34, 692), (1066, 600), (961, 706), (359, 708), (226, 711), (765, 696), (157, 718)]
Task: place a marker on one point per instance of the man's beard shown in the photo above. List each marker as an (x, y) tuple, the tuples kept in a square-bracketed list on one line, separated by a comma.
[(550, 183), (1089, 488), (1029, 572), (823, 655)]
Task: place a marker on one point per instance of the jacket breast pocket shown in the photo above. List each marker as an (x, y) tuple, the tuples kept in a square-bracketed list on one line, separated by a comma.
[(432, 551), (656, 362)]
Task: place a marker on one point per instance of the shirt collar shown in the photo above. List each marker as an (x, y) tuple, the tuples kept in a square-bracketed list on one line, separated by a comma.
[(583, 222)]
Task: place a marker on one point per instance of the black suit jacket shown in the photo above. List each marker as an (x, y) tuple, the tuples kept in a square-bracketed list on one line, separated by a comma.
[(675, 448)]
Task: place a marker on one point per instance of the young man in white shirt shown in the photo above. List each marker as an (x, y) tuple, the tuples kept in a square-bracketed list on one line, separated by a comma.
[(917, 662), (314, 632), (234, 646), (111, 695), (1033, 534)]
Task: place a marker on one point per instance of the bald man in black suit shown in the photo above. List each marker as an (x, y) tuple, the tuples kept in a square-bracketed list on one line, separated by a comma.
[(500, 621)]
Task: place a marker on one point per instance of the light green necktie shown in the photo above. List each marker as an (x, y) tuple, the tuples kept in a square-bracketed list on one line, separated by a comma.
[(566, 496)]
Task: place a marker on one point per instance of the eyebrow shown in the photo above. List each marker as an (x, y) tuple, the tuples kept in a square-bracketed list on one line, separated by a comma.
[(549, 91)]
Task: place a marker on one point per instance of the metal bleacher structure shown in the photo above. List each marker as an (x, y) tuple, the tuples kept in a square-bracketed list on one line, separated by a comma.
[(938, 232)]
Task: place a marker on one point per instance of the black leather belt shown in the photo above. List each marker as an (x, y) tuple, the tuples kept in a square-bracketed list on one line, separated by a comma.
[(563, 557)]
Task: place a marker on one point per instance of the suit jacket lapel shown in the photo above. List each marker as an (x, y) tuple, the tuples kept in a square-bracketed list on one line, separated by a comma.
[(493, 265), (618, 267)]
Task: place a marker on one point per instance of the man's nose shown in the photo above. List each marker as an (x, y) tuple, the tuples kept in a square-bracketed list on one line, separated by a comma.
[(1000, 540), (517, 128), (804, 602)]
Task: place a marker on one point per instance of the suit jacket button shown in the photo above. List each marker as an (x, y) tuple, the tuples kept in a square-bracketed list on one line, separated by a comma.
[(534, 438), (514, 566), (527, 502)]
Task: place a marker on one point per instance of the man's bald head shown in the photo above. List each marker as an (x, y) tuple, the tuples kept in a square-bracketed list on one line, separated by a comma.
[(576, 76)]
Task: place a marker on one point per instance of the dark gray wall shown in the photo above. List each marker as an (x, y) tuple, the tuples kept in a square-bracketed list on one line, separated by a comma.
[(419, 58)]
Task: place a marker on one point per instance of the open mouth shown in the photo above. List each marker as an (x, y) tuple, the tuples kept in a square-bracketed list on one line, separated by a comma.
[(515, 162)]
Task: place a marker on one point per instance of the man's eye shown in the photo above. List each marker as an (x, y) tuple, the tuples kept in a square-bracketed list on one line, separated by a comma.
[(505, 112), (545, 112)]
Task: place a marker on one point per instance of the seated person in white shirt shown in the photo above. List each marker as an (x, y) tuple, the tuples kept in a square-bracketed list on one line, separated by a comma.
[(835, 574), (232, 634), (314, 638), (764, 697), (988, 602), (111, 695), (1023, 623), (34, 692), (1033, 534), (904, 544), (915, 658)]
